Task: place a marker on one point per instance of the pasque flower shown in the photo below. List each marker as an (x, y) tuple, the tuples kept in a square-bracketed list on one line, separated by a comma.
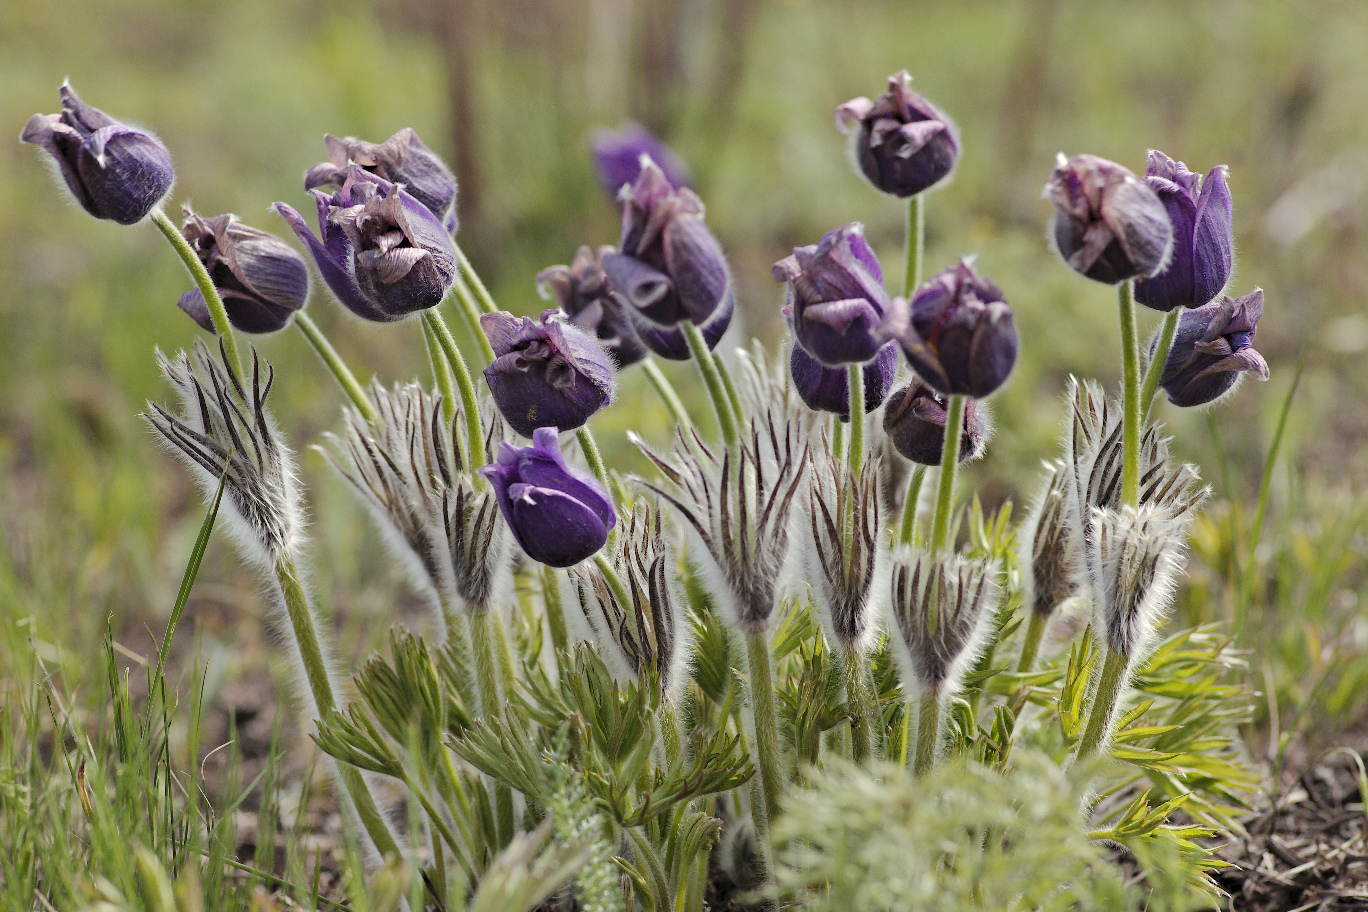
[(617, 157), (957, 332), (1108, 226), (668, 267), (900, 141), (261, 279), (401, 159), (915, 424), (383, 253), (1203, 240), (558, 515), (546, 373), (115, 171), (590, 301), (835, 296), (827, 389), (1211, 349)]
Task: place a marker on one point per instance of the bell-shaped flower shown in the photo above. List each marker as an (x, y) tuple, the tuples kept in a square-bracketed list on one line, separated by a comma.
[(617, 157), (1108, 225), (902, 144), (1203, 239), (1211, 349), (546, 373), (401, 159), (383, 253), (835, 296), (827, 389), (915, 424), (590, 301), (115, 171), (262, 279), (558, 515), (957, 332)]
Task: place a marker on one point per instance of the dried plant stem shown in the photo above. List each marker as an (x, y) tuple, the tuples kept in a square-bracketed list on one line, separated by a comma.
[(1167, 330), (474, 429), (1130, 395), (766, 747), (470, 313), (217, 314), (667, 394), (916, 242), (333, 361), (1110, 683), (907, 529), (712, 379), (855, 374), (860, 701), (928, 732), (945, 496), (486, 300)]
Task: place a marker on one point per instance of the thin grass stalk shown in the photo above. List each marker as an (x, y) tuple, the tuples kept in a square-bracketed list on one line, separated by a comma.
[(218, 315)]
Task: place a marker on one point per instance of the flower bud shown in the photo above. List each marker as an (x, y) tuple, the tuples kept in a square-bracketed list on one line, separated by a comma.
[(1108, 225), (827, 389), (1203, 238), (590, 301), (547, 373), (401, 159), (957, 332), (617, 157), (115, 171), (261, 279), (942, 611), (915, 424), (383, 253), (1211, 349), (901, 142), (835, 296), (558, 515), (669, 268)]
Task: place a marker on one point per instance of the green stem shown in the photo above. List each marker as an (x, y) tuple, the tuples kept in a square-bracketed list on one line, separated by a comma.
[(733, 396), (615, 583), (945, 497), (907, 530), (1030, 646), (860, 703), (592, 456), (928, 733), (488, 664), (698, 349), (1167, 330), (486, 300), (1130, 389), (855, 381), (555, 611), (217, 314), (916, 242), (333, 361), (766, 746), (1109, 686), (667, 394), (441, 375), (470, 314), (671, 732), (474, 428)]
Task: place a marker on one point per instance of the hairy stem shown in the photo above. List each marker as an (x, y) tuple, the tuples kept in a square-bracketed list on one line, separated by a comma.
[(945, 496), (470, 313), (928, 732), (916, 242), (217, 314), (667, 394), (1030, 646), (1167, 330), (474, 428), (486, 301), (333, 361), (855, 377), (907, 529), (1109, 686), (698, 349), (860, 702), (1130, 391), (766, 747)]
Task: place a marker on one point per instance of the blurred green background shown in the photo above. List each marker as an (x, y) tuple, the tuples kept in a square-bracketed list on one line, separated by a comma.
[(98, 522)]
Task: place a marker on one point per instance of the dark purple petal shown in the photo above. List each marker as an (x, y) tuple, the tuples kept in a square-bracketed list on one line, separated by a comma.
[(617, 157), (827, 389)]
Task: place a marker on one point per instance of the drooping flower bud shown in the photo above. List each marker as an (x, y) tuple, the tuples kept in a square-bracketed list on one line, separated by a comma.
[(547, 373), (835, 296), (902, 144), (617, 157), (827, 389), (1108, 226), (669, 267), (590, 301), (1211, 349), (115, 171), (383, 253), (261, 279), (957, 332), (1203, 238), (558, 515), (401, 159), (915, 424)]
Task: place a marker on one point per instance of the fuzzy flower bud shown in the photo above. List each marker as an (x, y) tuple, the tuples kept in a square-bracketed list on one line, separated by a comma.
[(1203, 238), (547, 373), (835, 296), (1211, 349), (1109, 226), (957, 332), (617, 157), (902, 144), (383, 253), (558, 515), (1048, 550), (942, 609), (590, 301), (915, 424), (115, 171), (827, 389), (401, 159), (261, 279)]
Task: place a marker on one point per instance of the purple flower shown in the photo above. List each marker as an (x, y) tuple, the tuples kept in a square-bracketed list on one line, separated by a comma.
[(900, 141), (1109, 226), (545, 374), (915, 423), (1211, 350), (261, 279), (590, 301), (115, 171), (558, 515), (669, 268), (1203, 237), (827, 389), (383, 253), (957, 332), (401, 159), (617, 157), (835, 296)]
